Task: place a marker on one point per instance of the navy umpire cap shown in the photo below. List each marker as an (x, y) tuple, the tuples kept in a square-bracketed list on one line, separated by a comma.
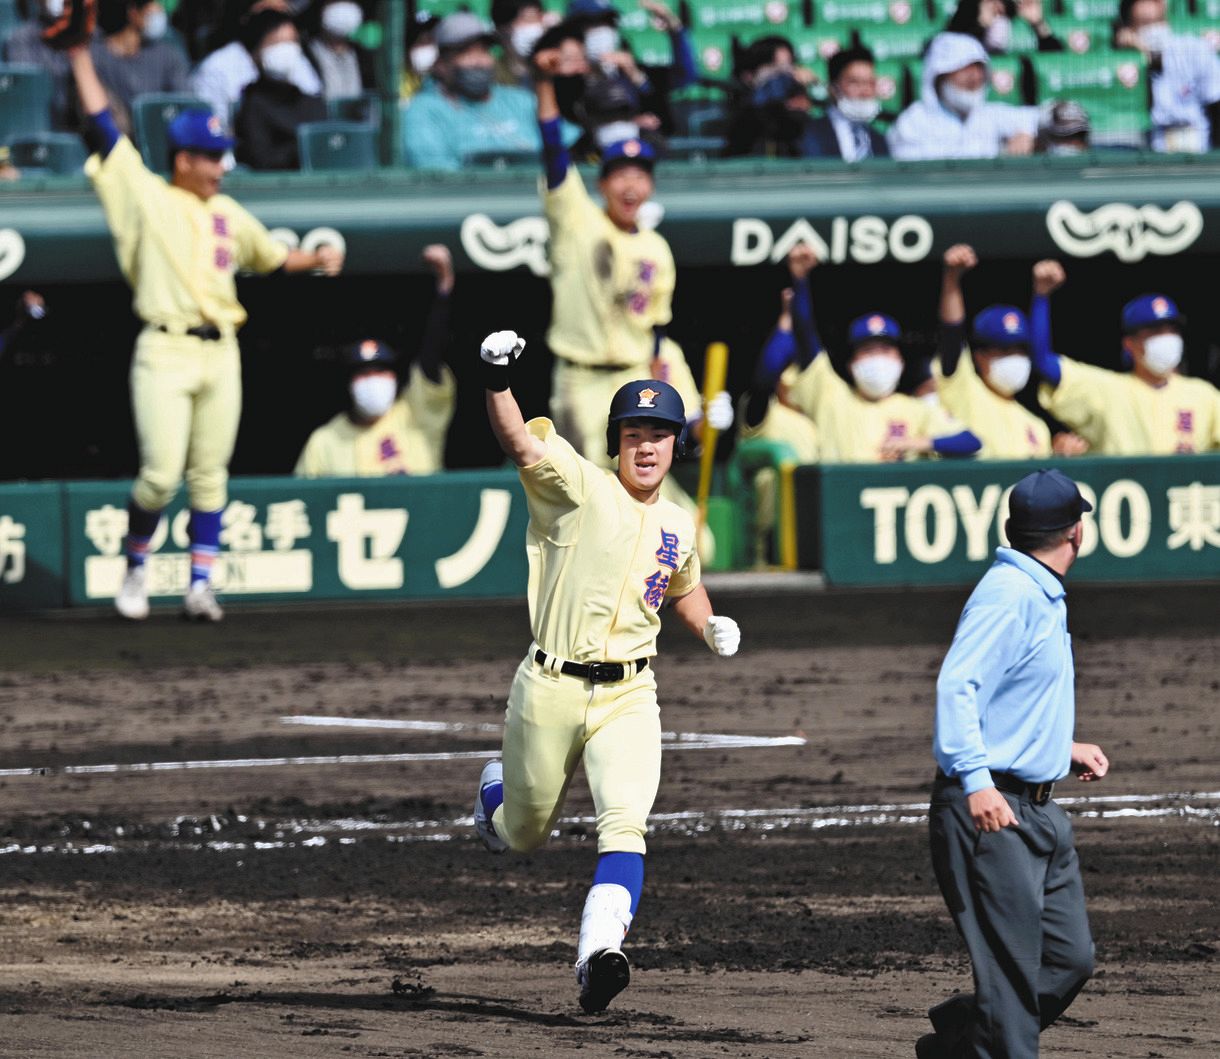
[(370, 354), (646, 399), (1044, 501), (873, 327), (1000, 325), (198, 130), (1149, 310)]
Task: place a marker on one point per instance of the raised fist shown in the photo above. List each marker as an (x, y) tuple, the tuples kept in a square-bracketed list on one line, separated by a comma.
[(438, 258), (801, 260), (501, 348), (961, 257), (1048, 277), (722, 635)]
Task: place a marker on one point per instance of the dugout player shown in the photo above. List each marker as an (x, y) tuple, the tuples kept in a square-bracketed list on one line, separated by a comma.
[(606, 551), (179, 244), (1002, 849), (385, 430), (980, 388), (1150, 410), (867, 420), (612, 281)]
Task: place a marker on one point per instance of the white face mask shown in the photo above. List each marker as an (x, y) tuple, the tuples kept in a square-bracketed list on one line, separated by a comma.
[(998, 36), (1155, 37), (342, 19), (156, 22), (858, 110), (52, 10), (525, 37), (1162, 353), (876, 375), (282, 59), (600, 41), (372, 395), (1009, 374), (961, 100), (424, 58)]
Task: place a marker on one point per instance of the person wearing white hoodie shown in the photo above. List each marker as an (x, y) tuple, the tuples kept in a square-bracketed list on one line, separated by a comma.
[(952, 118)]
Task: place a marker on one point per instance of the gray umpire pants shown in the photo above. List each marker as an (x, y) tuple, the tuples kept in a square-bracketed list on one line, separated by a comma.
[(1017, 899)]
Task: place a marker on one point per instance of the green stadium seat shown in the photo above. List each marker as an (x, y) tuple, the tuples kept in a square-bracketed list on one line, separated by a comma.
[(1005, 83), (364, 109), (650, 46), (815, 46), (1201, 25), (49, 152), (25, 100), (1024, 39), (877, 12), (1111, 86), (713, 52), (891, 41), (441, 8), (898, 83), (10, 18), (151, 115), (1082, 35), (755, 17), (330, 145), (698, 111)]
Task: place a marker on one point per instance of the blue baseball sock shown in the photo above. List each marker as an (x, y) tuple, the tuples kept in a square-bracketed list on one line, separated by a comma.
[(141, 525), (204, 529), (625, 869), (492, 797)]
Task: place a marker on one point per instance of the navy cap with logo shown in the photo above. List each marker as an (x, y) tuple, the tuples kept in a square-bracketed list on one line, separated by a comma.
[(628, 152), (1151, 310), (873, 327), (1000, 325), (1044, 501), (199, 130), (369, 355), (646, 399)]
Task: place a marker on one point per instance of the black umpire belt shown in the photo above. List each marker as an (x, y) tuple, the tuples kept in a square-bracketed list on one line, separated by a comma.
[(1038, 793), (208, 332), (594, 672)]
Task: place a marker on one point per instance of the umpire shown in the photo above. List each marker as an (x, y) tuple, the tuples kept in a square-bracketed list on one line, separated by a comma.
[(1001, 848)]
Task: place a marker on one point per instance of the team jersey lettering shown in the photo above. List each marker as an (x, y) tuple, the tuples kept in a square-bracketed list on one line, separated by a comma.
[(667, 554), (1186, 421), (220, 226), (656, 585), (897, 429), (223, 259)]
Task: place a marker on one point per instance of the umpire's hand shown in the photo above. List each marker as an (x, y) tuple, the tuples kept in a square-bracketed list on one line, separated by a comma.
[(990, 811)]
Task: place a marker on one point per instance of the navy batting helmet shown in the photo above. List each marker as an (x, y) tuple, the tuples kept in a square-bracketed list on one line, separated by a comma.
[(646, 399)]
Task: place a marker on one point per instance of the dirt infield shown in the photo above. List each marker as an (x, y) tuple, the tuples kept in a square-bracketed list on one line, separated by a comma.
[(200, 859)]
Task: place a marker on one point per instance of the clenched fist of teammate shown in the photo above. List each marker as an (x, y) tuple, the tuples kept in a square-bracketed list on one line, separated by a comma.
[(501, 348), (722, 635), (720, 411)]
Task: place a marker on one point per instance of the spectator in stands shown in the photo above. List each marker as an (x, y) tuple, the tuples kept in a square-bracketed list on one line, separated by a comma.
[(9, 173), (1151, 410), (519, 26), (134, 55), (25, 45), (346, 68), (272, 108), (1185, 74), (221, 78), (845, 130), (388, 429), (863, 421), (770, 111), (990, 23), (621, 98), (421, 53), (461, 111), (952, 118), (1064, 128)]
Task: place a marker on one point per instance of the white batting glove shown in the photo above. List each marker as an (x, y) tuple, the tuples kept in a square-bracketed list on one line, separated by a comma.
[(719, 415), (501, 348), (722, 636)]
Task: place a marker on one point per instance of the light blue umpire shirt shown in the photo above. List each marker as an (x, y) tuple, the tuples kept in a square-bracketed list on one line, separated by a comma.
[(1005, 698)]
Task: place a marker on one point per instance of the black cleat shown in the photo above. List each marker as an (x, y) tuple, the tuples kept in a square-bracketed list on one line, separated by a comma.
[(605, 976)]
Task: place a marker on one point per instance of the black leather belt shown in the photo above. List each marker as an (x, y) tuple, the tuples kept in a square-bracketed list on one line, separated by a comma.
[(594, 672), (1038, 793), (207, 332)]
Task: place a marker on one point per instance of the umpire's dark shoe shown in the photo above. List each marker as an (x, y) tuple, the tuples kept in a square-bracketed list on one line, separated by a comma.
[(930, 1046), (603, 977)]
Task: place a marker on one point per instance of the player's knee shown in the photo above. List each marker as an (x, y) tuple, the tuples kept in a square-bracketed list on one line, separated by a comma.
[(1081, 965), (155, 488), (524, 836), (207, 488), (617, 833)]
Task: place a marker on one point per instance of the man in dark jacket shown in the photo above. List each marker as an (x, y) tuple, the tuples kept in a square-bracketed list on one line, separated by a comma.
[(846, 131)]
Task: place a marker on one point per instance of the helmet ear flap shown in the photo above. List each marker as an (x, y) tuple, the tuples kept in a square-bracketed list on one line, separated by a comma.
[(612, 438)]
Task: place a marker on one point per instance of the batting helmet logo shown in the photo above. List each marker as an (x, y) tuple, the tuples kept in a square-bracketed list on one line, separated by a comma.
[(1160, 306), (876, 324), (648, 398), (368, 349), (1011, 323), (214, 126)]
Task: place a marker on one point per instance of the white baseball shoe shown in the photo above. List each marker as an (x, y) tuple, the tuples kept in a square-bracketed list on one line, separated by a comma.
[(132, 600), (602, 977), (493, 772), (200, 603)]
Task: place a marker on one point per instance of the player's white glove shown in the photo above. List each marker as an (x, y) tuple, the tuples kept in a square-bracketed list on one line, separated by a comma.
[(722, 635), (719, 414), (501, 348)]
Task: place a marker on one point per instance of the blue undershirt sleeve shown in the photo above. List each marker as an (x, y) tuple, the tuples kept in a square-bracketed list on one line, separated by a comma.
[(101, 133), (1045, 360), (963, 444), (685, 72), (949, 341), (809, 342), (555, 157)]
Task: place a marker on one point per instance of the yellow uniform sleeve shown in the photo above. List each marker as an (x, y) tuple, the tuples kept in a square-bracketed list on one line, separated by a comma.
[(309, 463), (936, 421), (661, 309), (687, 579), (125, 188), (557, 483), (568, 208), (1082, 397), (256, 250), (431, 405), (815, 385)]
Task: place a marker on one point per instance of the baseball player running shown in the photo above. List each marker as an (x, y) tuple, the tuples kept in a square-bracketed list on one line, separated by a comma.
[(179, 244), (1002, 849), (605, 552), (1150, 410)]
